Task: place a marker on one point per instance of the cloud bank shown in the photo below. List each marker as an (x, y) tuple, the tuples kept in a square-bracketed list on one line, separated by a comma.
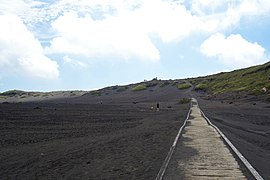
[(112, 37), (125, 33), (126, 29), (119, 29), (233, 51), (21, 52)]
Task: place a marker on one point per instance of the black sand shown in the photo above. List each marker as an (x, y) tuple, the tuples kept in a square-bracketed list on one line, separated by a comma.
[(80, 138)]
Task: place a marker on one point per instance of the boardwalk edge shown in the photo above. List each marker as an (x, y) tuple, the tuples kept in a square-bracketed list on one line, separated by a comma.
[(252, 170), (169, 155)]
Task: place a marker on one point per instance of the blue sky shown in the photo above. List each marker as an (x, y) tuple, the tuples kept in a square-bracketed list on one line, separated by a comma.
[(88, 44)]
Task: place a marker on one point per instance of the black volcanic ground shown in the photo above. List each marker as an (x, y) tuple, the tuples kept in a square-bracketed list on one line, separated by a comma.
[(118, 135)]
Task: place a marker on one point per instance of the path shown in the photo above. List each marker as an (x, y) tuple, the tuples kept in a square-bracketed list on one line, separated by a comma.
[(201, 153)]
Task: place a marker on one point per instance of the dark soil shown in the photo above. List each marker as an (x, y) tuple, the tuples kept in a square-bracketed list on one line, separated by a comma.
[(107, 137)]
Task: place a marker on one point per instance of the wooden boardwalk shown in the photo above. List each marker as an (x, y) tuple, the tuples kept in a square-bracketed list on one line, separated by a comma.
[(201, 153)]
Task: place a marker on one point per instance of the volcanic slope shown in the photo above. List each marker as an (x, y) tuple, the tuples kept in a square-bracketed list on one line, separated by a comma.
[(112, 133), (167, 92)]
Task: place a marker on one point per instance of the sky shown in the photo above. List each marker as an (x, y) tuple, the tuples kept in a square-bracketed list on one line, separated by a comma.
[(49, 45)]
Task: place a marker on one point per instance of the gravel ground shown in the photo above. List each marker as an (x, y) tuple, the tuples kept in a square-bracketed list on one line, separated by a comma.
[(84, 141)]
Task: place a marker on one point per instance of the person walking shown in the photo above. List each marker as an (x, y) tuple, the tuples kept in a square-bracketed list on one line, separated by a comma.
[(158, 106)]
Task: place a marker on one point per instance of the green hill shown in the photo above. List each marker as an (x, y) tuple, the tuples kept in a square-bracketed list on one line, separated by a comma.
[(253, 80), (12, 93)]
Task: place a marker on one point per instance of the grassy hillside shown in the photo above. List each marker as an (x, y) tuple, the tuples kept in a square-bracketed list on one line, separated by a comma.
[(12, 93), (251, 80)]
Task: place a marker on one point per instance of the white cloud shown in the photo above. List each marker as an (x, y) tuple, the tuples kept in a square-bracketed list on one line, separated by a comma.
[(226, 14), (170, 21), (28, 10), (126, 28), (241, 7), (233, 51), (125, 34), (206, 7), (253, 7), (111, 37), (21, 53)]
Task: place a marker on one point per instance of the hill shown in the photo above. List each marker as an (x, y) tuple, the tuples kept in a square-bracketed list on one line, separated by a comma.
[(249, 81), (23, 96), (147, 91), (253, 81), (167, 92)]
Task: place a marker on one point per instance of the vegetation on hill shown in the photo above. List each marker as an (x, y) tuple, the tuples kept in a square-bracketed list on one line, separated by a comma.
[(12, 93), (120, 88), (139, 87), (175, 83), (95, 93), (253, 80), (183, 86)]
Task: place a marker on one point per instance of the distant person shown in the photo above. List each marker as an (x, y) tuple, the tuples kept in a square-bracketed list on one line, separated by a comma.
[(157, 106)]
